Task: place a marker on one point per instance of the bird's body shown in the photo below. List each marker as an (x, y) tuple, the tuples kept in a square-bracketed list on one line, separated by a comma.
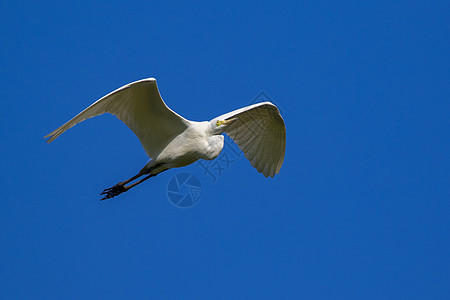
[(173, 141), (195, 143)]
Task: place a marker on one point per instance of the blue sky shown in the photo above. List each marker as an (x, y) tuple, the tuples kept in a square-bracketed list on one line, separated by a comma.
[(360, 209)]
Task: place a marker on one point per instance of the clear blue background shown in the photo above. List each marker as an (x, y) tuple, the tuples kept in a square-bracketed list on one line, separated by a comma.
[(360, 209)]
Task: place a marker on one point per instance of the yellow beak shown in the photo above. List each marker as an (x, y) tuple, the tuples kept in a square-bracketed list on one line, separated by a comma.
[(229, 121)]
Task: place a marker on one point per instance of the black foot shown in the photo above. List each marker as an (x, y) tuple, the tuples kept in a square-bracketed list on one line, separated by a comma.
[(113, 191)]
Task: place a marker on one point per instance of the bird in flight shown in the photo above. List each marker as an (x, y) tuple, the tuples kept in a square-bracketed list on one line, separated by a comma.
[(172, 141)]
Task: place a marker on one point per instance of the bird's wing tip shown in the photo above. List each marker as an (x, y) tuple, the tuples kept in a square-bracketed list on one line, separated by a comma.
[(50, 137), (265, 102), (151, 79)]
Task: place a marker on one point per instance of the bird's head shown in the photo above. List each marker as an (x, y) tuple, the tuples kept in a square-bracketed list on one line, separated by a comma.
[(220, 125)]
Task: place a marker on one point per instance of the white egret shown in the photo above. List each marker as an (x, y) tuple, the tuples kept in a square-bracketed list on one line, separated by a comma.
[(172, 141)]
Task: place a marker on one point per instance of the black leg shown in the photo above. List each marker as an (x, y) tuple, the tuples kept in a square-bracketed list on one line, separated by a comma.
[(121, 187)]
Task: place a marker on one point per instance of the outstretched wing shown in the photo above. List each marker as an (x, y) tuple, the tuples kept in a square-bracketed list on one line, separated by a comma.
[(140, 107), (260, 133)]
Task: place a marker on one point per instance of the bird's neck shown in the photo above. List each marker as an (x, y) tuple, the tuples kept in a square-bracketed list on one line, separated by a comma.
[(215, 146)]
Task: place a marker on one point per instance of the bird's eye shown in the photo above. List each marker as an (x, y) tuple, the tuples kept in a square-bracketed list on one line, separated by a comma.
[(218, 123)]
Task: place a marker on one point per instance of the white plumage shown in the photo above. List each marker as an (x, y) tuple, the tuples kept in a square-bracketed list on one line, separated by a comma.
[(173, 141)]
